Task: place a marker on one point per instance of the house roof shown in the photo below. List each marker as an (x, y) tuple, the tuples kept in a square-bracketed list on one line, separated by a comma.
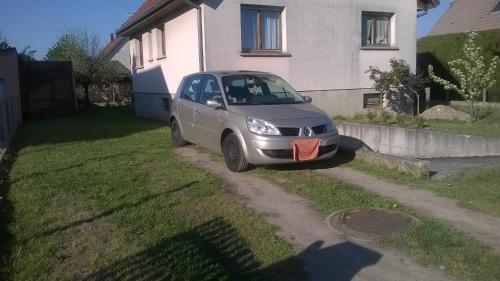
[(147, 8), (150, 7), (467, 15), (112, 45)]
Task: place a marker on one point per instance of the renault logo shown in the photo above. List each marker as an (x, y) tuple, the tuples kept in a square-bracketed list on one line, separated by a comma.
[(306, 131)]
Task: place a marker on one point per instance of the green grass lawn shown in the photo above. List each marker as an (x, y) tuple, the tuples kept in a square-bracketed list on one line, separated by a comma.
[(430, 241), (101, 195), (477, 190)]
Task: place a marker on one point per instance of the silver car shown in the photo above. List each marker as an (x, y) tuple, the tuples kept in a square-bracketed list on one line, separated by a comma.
[(250, 117)]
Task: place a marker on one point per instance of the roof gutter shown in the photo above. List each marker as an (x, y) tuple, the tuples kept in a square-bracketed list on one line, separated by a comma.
[(427, 4), (147, 14), (201, 53)]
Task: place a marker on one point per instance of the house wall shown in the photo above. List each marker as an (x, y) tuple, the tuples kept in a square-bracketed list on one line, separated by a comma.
[(121, 53), (160, 77), (323, 38)]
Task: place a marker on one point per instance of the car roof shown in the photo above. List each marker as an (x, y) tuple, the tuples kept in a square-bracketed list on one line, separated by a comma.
[(223, 73)]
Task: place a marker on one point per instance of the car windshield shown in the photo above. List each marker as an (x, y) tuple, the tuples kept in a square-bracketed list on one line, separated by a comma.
[(259, 89)]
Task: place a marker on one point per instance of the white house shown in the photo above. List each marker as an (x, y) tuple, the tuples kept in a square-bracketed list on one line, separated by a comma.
[(321, 47)]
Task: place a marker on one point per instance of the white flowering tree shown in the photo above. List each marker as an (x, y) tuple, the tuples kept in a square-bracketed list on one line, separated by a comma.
[(472, 71)]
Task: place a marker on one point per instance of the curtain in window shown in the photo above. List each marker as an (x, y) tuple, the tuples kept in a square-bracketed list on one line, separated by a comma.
[(367, 31), (249, 31), (270, 30), (382, 31)]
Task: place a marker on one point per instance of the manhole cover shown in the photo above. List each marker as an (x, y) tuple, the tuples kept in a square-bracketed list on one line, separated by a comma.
[(370, 224)]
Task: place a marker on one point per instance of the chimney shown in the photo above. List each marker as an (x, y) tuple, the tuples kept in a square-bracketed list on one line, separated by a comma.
[(112, 37)]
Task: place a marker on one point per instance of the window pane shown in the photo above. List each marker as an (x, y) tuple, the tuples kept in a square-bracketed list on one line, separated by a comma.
[(270, 30), (249, 31), (193, 89), (382, 30), (367, 30), (211, 91), (376, 29)]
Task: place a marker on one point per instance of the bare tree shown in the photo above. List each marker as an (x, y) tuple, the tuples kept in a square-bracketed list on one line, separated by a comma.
[(82, 48)]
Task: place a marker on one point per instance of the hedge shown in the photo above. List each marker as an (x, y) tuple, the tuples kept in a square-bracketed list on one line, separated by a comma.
[(438, 50)]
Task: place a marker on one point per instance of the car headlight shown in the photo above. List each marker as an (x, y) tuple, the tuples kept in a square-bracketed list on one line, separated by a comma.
[(260, 127), (330, 126)]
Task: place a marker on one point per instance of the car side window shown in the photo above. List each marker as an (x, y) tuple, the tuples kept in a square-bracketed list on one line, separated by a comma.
[(192, 90), (211, 91)]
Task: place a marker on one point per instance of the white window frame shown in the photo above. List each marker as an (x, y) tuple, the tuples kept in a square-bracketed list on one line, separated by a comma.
[(280, 25), (391, 29)]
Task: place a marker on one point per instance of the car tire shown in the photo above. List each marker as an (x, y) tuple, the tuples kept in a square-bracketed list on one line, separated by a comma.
[(233, 154), (176, 134)]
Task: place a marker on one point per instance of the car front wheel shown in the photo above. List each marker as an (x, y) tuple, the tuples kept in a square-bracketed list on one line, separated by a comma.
[(233, 154)]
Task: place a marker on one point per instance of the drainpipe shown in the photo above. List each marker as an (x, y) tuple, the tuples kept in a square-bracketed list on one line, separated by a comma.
[(201, 54)]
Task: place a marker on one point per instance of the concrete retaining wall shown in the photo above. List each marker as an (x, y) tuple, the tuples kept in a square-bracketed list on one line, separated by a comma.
[(414, 142)]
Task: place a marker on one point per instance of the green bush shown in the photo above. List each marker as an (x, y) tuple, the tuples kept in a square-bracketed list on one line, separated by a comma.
[(385, 117), (403, 121), (439, 50), (371, 116), (419, 122)]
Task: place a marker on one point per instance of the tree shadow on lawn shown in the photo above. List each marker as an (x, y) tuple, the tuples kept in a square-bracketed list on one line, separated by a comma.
[(215, 251), (6, 214), (90, 125), (109, 212), (75, 166)]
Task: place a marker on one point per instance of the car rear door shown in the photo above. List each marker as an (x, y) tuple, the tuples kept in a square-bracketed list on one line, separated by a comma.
[(207, 118), (185, 108)]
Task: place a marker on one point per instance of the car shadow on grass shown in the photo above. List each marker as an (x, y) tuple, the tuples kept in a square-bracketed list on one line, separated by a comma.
[(342, 157), (215, 251)]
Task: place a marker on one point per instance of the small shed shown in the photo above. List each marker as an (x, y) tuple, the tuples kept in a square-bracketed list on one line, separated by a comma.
[(47, 89)]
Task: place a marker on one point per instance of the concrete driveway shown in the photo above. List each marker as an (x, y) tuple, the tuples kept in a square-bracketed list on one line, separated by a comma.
[(327, 255)]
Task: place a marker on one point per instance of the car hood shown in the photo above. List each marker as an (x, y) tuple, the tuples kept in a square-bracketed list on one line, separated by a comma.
[(290, 115)]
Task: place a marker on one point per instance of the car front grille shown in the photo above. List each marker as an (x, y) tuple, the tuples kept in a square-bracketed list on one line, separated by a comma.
[(318, 130), (289, 132), (288, 153), (294, 132)]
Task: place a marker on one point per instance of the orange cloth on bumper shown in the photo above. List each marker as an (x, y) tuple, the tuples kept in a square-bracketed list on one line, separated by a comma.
[(304, 150)]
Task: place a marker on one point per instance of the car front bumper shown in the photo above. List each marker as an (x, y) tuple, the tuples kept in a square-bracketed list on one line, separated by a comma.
[(268, 150)]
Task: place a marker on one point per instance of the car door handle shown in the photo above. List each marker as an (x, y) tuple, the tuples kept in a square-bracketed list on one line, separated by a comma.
[(196, 111)]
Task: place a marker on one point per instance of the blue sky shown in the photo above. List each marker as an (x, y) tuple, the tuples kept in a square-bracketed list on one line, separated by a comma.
[(38, 23)]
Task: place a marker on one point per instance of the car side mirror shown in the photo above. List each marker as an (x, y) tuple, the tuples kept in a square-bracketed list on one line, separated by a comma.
[(307, 99), (214, 104)]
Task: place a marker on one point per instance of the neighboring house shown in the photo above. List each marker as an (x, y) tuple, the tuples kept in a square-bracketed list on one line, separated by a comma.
[(118, 50), (469, 15), (322, 47)]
